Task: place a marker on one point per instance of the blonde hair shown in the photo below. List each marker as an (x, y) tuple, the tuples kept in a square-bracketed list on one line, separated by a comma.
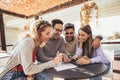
[(35, 30)]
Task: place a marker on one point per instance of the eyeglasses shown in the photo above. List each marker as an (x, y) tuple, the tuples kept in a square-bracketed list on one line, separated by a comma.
[(58, 30), (69, 33)]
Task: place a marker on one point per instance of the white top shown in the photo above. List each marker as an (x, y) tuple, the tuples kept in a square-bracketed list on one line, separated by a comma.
[(22, 54)]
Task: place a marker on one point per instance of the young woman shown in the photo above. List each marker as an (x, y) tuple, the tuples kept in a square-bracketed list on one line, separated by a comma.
[(21, 62), (85, 53)]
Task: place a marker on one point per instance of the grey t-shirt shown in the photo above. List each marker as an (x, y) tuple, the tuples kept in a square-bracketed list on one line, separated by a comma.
[(50, 50)]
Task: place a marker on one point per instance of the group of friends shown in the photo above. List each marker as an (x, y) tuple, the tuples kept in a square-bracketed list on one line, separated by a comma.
[(29, 58)]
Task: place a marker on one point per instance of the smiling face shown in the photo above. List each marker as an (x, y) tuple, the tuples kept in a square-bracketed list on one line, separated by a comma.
[(45, 35), (57, 30), (82, 36), (69, 34)]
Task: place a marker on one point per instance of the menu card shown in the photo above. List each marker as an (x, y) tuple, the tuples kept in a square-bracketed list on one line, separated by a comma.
[(64, 66)]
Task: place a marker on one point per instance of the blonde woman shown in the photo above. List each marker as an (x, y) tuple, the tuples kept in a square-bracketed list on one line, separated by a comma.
[(21, 62)]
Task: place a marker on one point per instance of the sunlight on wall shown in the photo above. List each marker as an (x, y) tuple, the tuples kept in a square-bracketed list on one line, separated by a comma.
[(107, 26)]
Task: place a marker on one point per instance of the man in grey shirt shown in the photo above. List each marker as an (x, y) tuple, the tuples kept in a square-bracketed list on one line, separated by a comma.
[(54, 45)]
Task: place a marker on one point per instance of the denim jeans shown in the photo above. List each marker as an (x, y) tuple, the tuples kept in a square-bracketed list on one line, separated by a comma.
[(96, 78), (99, 77), (42, 76), (14, 75)]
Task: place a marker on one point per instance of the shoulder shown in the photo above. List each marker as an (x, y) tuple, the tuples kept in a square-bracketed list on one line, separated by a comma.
[(61, 39), (99, 48), (27, 41), (24, 45), (75, 39)]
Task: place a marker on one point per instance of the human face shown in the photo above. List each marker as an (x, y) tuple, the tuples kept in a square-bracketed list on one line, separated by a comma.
[(57, 31), (45, 35), (69, 34), (82, 36)]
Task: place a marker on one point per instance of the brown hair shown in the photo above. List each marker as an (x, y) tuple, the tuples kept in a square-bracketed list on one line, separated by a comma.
[(87, 44), (56, 21), (69, 26)]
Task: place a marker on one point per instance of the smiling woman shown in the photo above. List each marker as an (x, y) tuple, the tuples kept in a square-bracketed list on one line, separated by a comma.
[(23, 67)]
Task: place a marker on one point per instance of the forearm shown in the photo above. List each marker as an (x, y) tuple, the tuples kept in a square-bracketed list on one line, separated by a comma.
[(79, 51), (40, 55), (34, 68), (43, 58), (98, 56), (96, 59)]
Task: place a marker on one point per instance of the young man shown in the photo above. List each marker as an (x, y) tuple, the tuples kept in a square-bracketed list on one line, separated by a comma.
[(70, 38)]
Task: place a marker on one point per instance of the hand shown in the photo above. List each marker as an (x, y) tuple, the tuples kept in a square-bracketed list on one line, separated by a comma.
[(80, 44), (96, 43), (66, 58), (83, 60), (30, 77), (58, 59), (75, 57)]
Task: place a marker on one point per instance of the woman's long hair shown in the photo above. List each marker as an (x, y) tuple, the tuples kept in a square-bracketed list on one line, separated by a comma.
[(87, 45), (36, 28)]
